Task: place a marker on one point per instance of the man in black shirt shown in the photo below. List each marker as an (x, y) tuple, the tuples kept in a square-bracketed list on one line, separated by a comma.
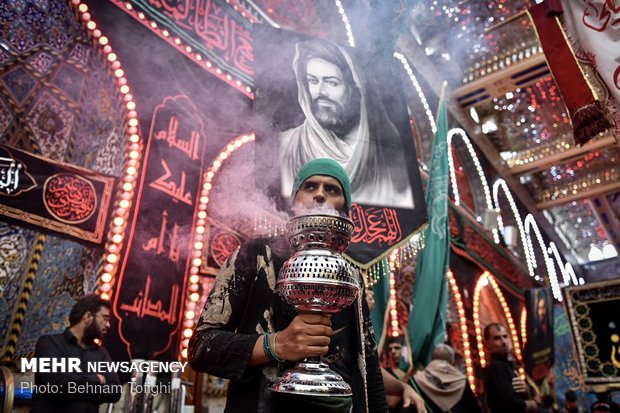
[(505, 391), (243, 314), (75, 391)]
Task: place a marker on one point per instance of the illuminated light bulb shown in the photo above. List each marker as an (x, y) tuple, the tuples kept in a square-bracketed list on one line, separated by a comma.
[(187, 332), (117, 238), (112, 258), (105, 296), (118, 221), (194, 279), (124, 89), (103, 40), (134, 154), (184, 353), (106, 277), (83, 8), (196, 262), (194, 297), (190, 314), (133, 122), (91, 25)]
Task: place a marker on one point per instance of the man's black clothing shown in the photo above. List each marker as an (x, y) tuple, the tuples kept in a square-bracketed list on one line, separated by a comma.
[(69, 398), (501, 396), (243, 304)]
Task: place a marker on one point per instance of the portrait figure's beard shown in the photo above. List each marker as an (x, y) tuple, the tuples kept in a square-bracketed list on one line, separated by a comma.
[(91, 333), (337, 118)]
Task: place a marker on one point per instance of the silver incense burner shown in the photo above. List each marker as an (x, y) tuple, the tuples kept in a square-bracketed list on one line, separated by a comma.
[(316, 279)]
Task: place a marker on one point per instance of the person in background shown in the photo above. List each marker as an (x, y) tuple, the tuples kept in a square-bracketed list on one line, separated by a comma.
[(395, 352), (401, 397), (570, 405), (89, 321), (505, 391), (443, 386)]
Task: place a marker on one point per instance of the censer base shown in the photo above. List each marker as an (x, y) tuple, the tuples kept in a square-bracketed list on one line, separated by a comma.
[(311, 378)]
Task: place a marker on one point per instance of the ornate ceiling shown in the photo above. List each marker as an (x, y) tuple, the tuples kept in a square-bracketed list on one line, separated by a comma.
[(504, 96)]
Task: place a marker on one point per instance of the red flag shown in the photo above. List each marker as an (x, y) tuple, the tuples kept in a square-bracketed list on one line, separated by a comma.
[(588, 115)]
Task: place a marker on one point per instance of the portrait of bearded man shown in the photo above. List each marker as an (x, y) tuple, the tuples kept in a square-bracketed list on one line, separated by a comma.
[(344, 120)]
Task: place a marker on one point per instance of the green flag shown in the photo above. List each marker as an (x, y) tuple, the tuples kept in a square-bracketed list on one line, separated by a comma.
[(382, 298), (426, 325)]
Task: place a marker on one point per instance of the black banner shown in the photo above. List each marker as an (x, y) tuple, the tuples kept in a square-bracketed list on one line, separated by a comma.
[(52, 195), (593, 312), (187, 116), (538, 352), (150, 290)]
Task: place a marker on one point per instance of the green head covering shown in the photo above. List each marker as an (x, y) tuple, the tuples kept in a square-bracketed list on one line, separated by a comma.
[(327, 167)]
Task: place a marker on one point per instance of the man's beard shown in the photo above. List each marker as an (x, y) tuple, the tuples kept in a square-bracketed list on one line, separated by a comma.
[(91, 333), (336, 118)]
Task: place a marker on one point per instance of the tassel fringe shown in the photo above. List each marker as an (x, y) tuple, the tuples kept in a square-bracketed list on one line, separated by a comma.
[(589, 121)]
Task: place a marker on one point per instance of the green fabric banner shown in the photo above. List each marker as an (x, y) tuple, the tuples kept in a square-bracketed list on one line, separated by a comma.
[(426, 325), (382, 298)]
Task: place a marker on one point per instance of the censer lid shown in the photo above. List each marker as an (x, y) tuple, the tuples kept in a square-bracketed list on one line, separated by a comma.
[(320, 231)]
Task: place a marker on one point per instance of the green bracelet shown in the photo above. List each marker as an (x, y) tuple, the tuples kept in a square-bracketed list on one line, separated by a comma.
[(266, 345), (269, 351)]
